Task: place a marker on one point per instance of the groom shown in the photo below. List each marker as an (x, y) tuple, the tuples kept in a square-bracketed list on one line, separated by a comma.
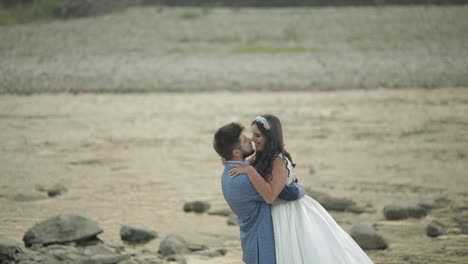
[(254, 214)]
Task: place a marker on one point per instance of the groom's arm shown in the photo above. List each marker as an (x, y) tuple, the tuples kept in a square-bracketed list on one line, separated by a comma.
[(292, 192)]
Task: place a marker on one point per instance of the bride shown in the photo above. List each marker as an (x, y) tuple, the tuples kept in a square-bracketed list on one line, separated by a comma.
[(304, 231)]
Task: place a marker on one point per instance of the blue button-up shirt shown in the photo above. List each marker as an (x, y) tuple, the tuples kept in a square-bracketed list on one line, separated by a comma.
[(254, 215)]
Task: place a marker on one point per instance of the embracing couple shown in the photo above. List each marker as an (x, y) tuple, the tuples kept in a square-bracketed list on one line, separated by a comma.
[(278, 223)]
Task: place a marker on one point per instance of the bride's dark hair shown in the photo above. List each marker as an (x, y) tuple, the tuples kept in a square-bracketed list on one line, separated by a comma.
[(274, 145)]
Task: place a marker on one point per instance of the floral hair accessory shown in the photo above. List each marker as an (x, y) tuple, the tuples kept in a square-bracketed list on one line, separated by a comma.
[(263, 121)]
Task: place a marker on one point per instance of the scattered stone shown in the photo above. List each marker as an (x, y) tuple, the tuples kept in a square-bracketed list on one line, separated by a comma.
[(196, 247), (395, 212), (197, 207), (173, 244), (105, 259), (367, 238), (462, 221), (29, 197), (416, 211), (232, 219), (178, 258), (36, 257), (65, 253), (148, 258), (398, 212), (98, 249), (435, 229), (62, 229), (212, 252), (8, 248), (222, 212), (136, 234), (430, 203), (52, 191), (333, 203), (359, 210)]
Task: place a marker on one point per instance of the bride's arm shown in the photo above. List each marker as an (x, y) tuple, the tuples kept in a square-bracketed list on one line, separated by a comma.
[(269, 190)]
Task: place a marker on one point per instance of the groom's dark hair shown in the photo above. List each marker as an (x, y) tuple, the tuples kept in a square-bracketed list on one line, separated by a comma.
[(226, 139)]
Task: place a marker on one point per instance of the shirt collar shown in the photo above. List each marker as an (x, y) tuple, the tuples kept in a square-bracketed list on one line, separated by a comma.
[(241, 162)]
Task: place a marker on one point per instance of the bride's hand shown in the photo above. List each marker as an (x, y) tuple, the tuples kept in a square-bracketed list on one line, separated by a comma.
[(238, 169)]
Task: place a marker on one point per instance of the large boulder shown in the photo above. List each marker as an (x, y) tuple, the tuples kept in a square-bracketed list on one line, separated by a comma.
[(62, 229), (136, 234), (367, 238)]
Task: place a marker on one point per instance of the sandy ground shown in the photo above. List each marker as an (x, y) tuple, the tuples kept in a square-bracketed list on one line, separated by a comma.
[(136, 159)]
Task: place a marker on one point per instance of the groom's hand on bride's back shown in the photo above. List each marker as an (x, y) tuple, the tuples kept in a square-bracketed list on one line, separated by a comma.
[(292, 192)]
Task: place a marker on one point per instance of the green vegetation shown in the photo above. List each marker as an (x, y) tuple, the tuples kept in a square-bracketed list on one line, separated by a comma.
[(190, 14), (46, 10), (266, 49), (302, 49)]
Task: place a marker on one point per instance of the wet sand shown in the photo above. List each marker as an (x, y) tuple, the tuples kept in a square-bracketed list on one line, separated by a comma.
[(137, 158)]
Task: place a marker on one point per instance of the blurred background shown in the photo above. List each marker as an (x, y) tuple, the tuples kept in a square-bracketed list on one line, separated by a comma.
[(108, 110), (145, 46)]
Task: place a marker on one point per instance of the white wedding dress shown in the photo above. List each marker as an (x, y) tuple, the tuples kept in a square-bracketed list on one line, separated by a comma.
[(306, 234)]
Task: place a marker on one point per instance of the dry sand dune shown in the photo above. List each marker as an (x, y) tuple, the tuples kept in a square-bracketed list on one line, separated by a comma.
[(137, 158)]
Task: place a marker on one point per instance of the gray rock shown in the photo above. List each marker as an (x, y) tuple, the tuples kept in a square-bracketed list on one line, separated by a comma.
[(98, 249), (435, 229), (52, 191), (29, 197), (333, 203), (196, 206), (106, 259), (430, 203), (62, 229), (367, 238), (232, 219), (36, 257), (131, 261), (222, 212), (64, 253), (462, 220), (136, 234), (8, 247), (397, 212), (196, 247), (416, 211), (148, 258), (359, 210), (211, 252), (178, 258), (173, 244)]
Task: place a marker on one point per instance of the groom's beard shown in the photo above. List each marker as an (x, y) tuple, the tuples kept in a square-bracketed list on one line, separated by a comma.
[(248, 153)]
